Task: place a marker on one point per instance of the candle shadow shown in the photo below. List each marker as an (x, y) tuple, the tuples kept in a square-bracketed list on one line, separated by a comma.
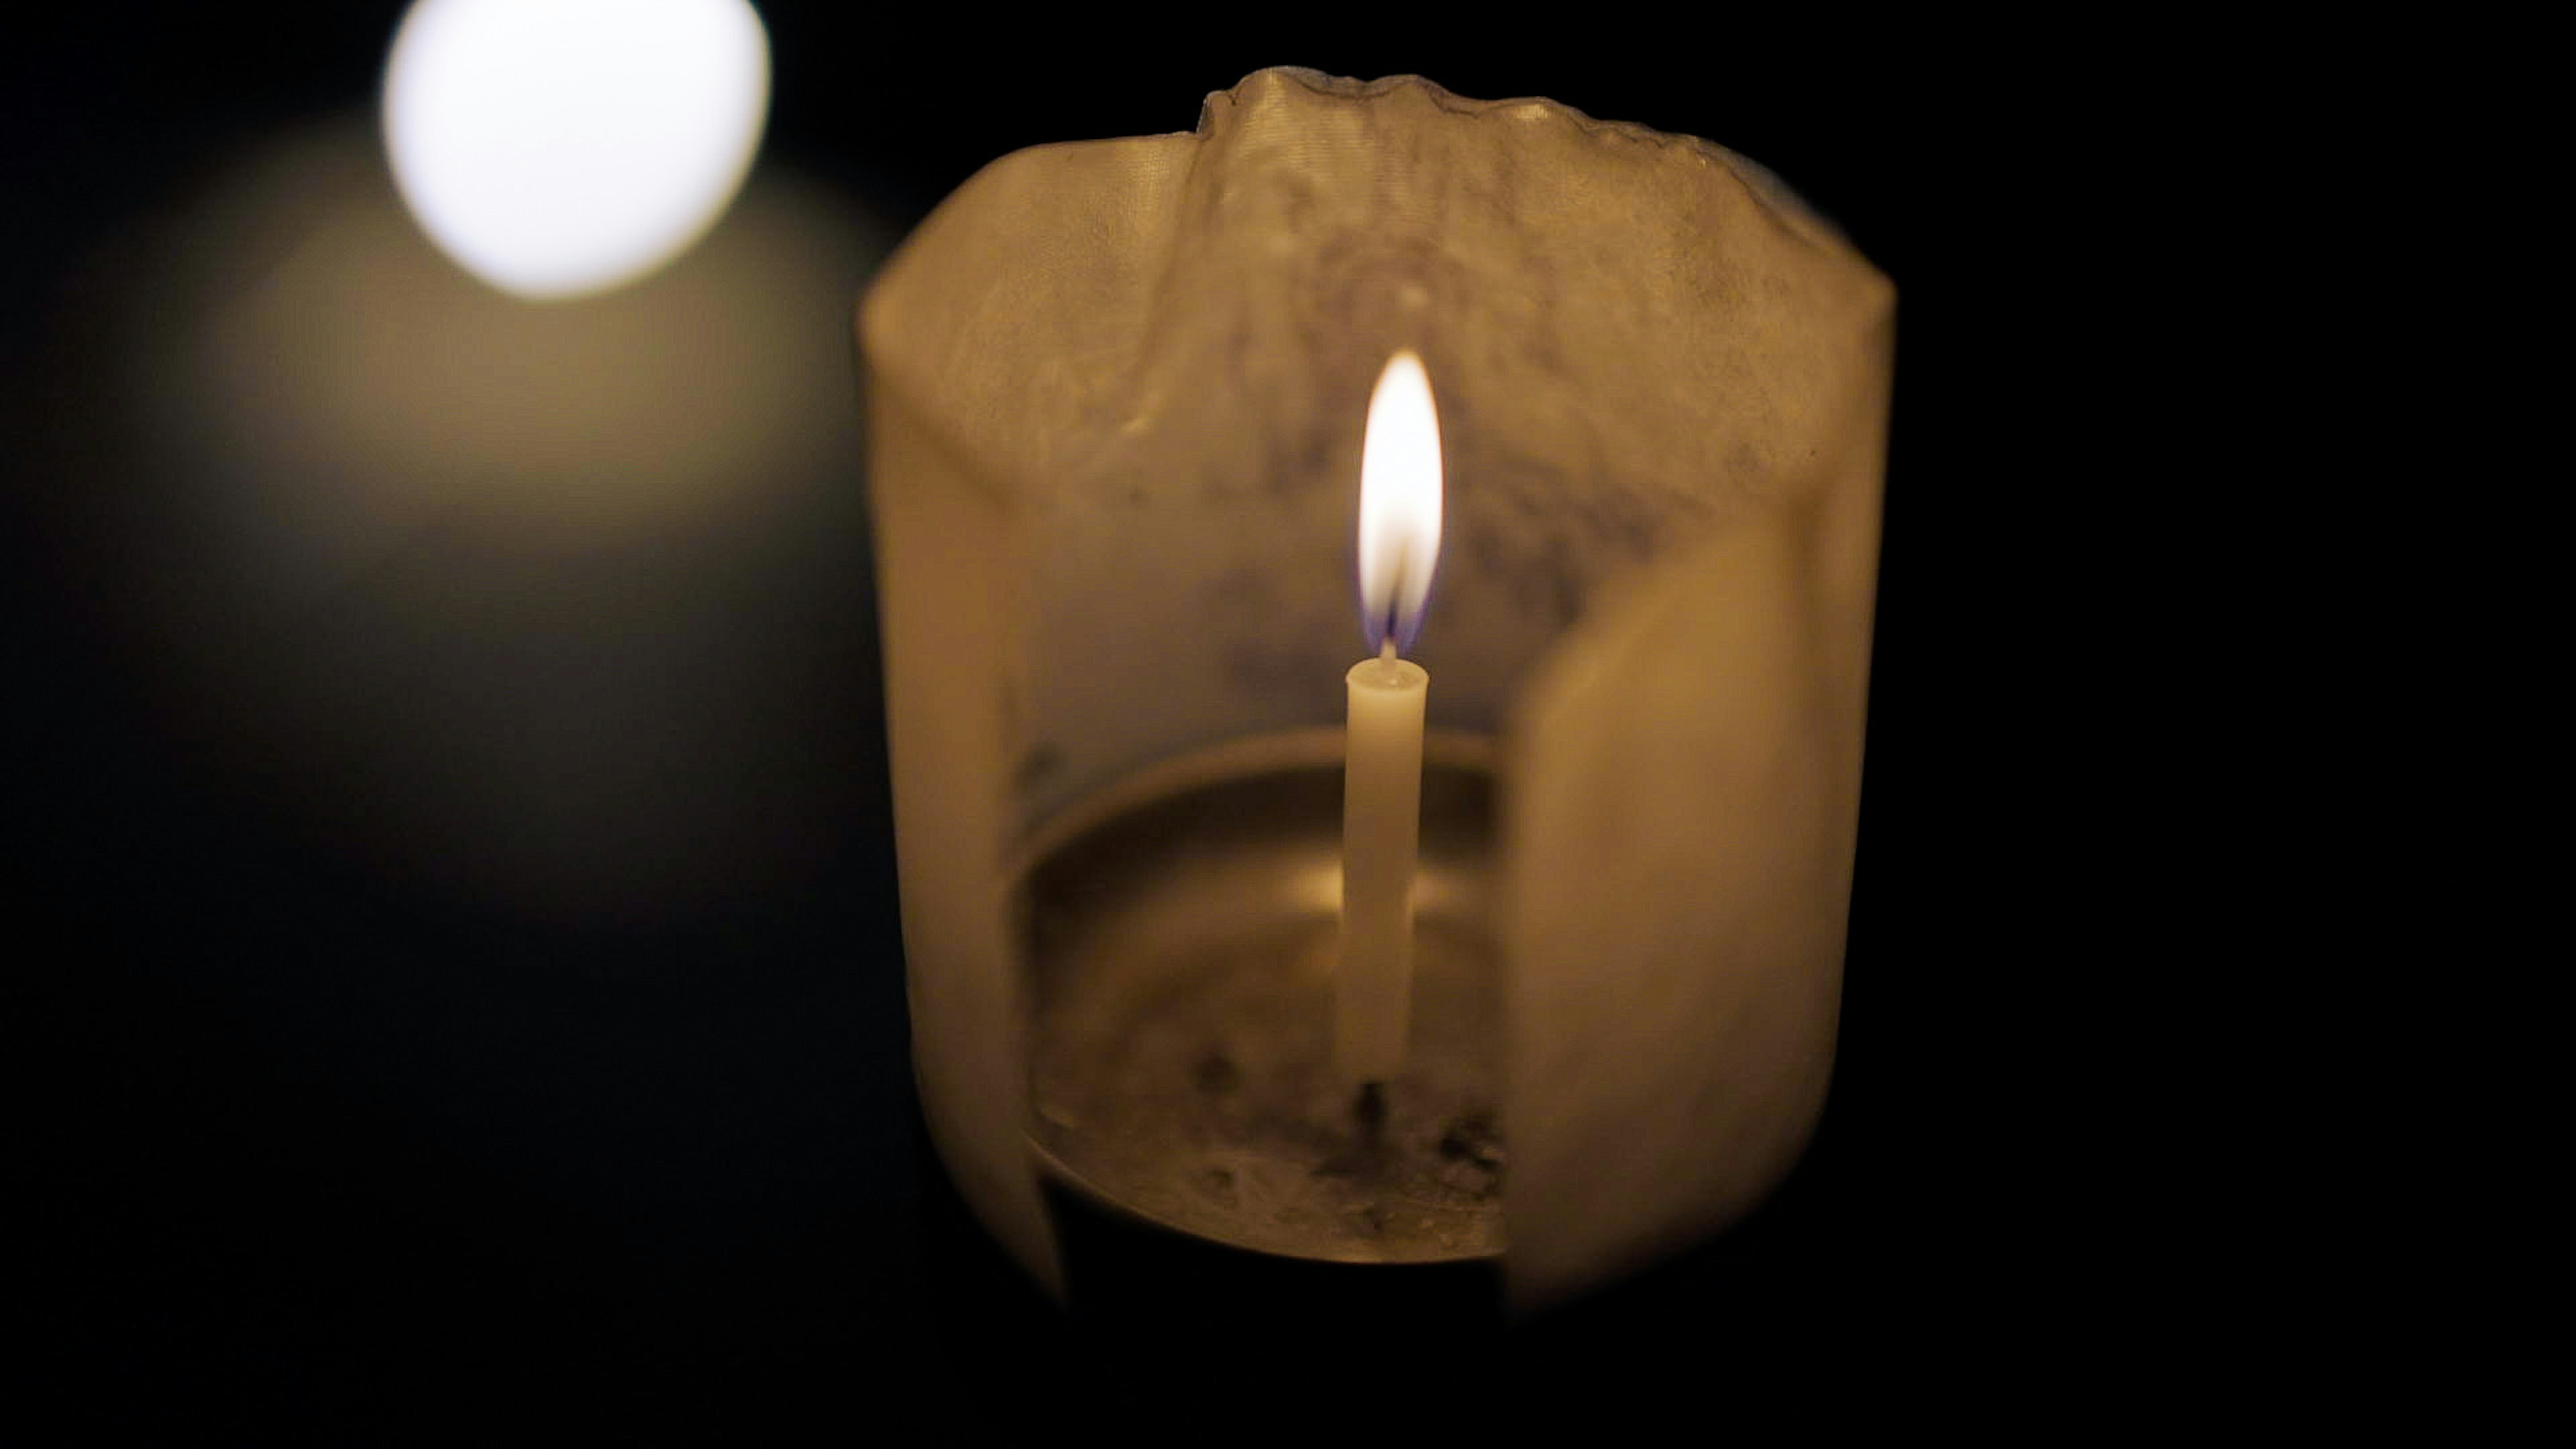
[(1168, 1315)]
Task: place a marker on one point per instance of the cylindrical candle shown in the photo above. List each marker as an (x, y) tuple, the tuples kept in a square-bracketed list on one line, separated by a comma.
[(1381, 826), (1128, 481)]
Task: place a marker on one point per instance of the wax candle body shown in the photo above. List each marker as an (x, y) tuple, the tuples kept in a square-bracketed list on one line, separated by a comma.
[(1381, 829), (1121, 475)]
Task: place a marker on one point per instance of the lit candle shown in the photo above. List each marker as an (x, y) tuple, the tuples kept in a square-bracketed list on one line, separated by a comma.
[(1123, 475), (1399, 542)]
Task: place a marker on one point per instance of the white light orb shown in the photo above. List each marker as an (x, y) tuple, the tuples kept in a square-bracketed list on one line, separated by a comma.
[(561, 147)]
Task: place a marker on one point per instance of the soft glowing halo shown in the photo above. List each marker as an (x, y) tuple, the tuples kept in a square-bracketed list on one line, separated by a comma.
[(559, 147), (1400, 487)]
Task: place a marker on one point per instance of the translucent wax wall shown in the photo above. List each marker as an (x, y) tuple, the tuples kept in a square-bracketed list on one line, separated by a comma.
[(1118, 391)]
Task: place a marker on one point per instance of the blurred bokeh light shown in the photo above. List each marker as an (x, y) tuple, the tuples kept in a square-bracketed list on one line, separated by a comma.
[(559, 147), (555, 609)]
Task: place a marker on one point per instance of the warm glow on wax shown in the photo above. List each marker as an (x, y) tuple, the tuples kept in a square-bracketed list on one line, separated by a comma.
[(561, 147), (1400, 487)]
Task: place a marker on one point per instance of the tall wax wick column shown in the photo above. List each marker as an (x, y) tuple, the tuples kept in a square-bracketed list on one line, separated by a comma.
[(1399, 543)]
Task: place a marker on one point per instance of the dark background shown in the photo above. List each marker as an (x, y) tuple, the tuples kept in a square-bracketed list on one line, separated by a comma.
[(304, 1150)]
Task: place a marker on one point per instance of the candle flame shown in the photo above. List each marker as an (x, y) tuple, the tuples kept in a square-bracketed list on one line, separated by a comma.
[(1400, 488)]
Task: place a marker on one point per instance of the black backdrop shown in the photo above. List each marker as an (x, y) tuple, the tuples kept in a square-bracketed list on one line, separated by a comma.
[(304, 1152)]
